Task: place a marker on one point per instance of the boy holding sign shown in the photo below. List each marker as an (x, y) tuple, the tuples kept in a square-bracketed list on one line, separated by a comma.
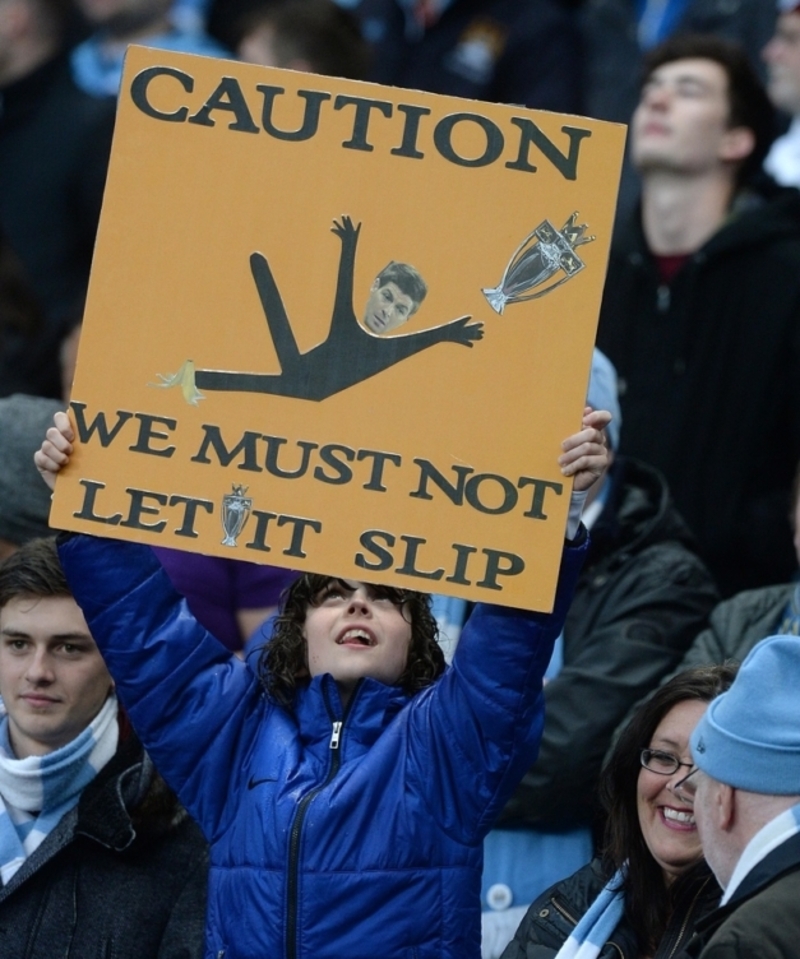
[(347, 787)]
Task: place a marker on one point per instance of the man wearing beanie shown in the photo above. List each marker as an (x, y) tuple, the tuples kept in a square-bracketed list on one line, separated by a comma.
[(24, 501), (746, 789)]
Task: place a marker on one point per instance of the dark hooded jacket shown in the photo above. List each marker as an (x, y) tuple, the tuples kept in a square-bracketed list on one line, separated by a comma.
[(713, 358), (122, 875), (550, 920), (54, 147), (761, 919), (642, 597)]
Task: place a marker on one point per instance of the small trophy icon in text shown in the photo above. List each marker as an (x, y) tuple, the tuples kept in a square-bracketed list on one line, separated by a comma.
[(236, 509)]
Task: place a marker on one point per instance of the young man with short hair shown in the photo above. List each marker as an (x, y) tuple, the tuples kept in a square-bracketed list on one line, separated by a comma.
[(701, 310), (96, 855)]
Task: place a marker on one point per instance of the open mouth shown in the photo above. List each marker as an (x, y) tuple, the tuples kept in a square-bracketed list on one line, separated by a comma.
[(356, 637), (680, 816)]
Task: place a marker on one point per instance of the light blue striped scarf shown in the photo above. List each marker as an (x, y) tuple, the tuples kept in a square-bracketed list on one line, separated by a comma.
[(37, 791), (598, 923)]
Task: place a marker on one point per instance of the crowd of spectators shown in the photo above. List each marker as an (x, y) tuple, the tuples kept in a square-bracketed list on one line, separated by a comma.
[(694, 526)]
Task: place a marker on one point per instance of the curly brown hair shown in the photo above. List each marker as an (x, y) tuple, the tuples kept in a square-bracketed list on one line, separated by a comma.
[(283, 663)]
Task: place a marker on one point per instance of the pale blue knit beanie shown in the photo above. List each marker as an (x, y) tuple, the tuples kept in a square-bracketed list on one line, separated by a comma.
[(602, 394), (749, 737)]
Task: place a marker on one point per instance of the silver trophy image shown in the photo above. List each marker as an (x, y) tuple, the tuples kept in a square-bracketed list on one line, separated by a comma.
[(236, 509), (541, 256)]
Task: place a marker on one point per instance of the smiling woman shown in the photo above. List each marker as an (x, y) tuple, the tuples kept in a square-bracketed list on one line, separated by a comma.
[(666, 820), (652, 875)]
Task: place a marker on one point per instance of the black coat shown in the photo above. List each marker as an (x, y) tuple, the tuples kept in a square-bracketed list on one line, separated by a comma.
[(709, 370), (762, 918), (642, 597), (550, 920), (54, 147), (738, 624), (122, 875)]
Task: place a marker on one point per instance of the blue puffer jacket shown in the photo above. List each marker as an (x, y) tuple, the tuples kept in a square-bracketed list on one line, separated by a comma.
[(325, 847)]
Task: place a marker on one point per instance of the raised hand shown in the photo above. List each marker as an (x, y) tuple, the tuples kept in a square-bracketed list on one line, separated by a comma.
[(345, 230), (56, 449), (462, 331), (585, 455)]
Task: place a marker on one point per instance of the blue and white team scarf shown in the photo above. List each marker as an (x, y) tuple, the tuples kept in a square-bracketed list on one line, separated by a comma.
[(37, 791), (774, 834), (598, 923)]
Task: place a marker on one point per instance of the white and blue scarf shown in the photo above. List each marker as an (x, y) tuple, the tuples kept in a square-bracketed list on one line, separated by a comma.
[(774, 834), (37, 791), (598, 923)]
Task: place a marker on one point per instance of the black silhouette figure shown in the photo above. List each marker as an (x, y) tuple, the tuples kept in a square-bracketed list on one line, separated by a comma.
[(349, 355)]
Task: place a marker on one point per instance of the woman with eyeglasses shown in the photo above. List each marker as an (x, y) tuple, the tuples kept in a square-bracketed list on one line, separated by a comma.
[(641, 899)]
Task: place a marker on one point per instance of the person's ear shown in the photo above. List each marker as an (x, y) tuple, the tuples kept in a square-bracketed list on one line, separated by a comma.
[(725, 806), (737, 144)]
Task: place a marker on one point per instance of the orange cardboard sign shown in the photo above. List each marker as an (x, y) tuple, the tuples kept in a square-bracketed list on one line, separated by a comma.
[(339, 327)]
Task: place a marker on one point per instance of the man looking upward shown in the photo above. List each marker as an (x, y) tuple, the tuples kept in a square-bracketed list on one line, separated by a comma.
[(701, 309)]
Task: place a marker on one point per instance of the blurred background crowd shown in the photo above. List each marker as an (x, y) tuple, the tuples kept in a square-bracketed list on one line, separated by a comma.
[(696, 527)]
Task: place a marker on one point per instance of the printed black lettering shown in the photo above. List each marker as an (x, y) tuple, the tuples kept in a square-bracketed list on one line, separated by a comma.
[(500, 563), (299, 527), (190, 513), (247, 445), (409, 567), (228, 97), (139, 91), (139, 508), (443, 134), (274, 443), (378, 461), (314, 100), (87, 512), (364, 108), (408, 146), (147, 433), (428, 471), (384, 557), (540, 487), (507, 491), (328, 456), (565, 163), (98, 425)]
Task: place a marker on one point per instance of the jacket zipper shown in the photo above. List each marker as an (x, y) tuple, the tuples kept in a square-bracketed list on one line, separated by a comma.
[(574, 921), (297, 826), (687, 917), (564, 912)]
